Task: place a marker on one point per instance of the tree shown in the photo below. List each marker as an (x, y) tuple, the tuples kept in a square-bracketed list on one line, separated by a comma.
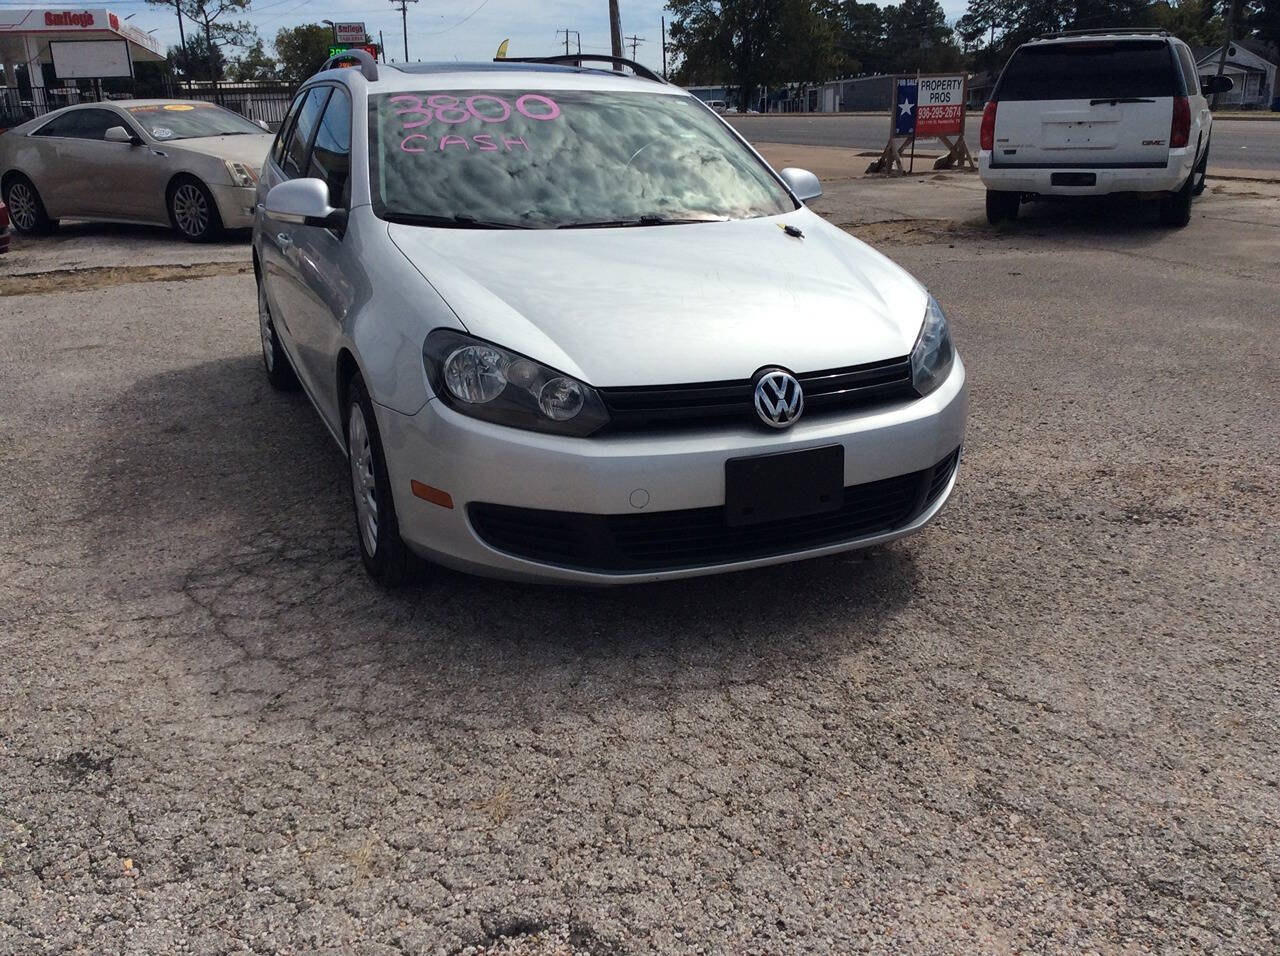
[(993, 29), (1194, 21), (301, 50), (194, 61), (749, 44), (217, 34), (253, 65), (917, 37)]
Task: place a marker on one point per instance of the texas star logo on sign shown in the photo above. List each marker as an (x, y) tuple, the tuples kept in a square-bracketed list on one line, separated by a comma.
[(779, 399), (904, 111)]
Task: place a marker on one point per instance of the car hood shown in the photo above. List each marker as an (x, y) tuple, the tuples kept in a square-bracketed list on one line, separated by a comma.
[(245, 148), (666, 305)]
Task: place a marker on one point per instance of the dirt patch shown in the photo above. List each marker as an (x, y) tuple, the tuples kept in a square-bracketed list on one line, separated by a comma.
[(890, 231), (80, 280)]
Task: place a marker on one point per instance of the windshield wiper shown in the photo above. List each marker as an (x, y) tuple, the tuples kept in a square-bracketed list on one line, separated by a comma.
[(641, 221), (449, 222)]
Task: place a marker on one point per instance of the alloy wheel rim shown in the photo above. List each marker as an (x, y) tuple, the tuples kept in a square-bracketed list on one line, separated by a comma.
[(267, 330), (22, 206), (363, 486), (190, 210)]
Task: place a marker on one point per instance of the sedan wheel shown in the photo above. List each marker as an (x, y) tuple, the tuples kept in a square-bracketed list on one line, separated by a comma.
[(363, 485), (26, 210), (381, 548), (279, 371), (193, 212)]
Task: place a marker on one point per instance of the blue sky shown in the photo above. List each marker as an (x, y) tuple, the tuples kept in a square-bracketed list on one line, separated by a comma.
[(449, 29)]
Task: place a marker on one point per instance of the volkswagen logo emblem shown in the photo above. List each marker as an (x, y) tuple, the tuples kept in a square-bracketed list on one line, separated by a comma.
[(779, 398)]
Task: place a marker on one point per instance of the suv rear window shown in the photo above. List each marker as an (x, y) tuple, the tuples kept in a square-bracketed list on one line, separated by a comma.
[(1089, 71)]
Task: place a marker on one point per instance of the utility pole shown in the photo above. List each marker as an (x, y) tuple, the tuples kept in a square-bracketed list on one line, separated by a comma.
[(382, 48), (635, 42), (664, 48), (182, 37), (615, 31), (1222, 57), (566, 31), (404, 23)]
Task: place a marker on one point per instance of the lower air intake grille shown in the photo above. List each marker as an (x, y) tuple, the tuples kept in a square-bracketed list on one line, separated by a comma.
[(700, 536)]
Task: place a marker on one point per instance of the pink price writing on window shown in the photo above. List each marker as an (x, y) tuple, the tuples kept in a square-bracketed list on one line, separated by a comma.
[(450, 110)]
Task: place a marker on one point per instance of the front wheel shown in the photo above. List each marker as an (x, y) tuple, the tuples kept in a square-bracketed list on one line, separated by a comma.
[(378, 532), (1002, 205), (193, 212)]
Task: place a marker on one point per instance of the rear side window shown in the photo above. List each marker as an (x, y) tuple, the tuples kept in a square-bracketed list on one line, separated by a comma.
[(1189, 73), (82, 124), (1089, 71), (295, 154), (331, 154)]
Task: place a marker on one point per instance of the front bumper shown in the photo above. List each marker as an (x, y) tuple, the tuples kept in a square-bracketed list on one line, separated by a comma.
[(1131, 179), (235, 205), (633, 474)]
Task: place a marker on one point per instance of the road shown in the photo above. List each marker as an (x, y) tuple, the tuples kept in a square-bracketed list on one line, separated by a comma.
[(1048, 723), (1252, 145)]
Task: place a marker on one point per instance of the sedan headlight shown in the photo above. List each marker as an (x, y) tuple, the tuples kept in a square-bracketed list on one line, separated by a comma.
[(487, 381), (933, 353), (242, 175)]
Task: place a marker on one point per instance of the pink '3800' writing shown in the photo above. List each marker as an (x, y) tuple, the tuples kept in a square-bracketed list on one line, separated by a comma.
[(450, 110)]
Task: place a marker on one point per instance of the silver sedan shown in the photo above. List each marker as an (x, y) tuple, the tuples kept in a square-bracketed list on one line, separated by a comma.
[(184, 163), (566, 325)]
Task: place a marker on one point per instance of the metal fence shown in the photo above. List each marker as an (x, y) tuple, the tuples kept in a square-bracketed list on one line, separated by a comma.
[(256, 101)]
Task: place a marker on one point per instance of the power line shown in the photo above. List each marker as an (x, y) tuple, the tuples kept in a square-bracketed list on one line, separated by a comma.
[(566, 31), (635, 42)]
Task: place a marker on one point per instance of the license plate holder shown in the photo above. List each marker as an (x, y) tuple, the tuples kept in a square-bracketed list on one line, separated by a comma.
[(789, 484)]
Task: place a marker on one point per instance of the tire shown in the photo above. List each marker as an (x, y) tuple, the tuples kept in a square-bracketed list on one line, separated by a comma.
[(275, 360), (377, 530), (26, 208), (192, 210), (1002, 205), (1201, 174), (1175, 210)]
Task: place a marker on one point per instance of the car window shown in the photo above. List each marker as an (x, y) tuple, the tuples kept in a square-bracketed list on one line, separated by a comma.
[(82, 124), (561, 158), (1189, 71), (295, 153), (331, 153), (1102, 69), (286, 127), (166, 121)]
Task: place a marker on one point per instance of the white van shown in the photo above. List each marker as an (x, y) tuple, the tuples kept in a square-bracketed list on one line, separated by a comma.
[(1098, 112)]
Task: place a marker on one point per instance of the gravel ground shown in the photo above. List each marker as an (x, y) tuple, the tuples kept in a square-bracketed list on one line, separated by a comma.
[(1051, 722)]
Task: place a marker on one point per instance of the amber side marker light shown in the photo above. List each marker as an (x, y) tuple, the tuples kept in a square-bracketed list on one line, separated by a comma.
[(433, 495)]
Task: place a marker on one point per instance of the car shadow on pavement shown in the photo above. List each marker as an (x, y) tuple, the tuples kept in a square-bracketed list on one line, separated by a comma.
[(224, 505), (78, 229)]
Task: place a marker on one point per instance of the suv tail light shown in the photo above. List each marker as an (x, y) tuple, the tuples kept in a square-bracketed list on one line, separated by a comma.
[(1180, 128), (987, 133)]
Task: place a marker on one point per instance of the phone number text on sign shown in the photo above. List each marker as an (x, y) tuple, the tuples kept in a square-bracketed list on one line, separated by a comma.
[(451, 110)]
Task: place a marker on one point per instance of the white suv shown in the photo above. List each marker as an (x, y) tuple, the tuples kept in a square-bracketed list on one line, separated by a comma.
[(1092, 113)]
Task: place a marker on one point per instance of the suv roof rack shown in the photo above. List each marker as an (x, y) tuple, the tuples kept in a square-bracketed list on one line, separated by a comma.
[(575, 59), (368, 66), (1106, 31)]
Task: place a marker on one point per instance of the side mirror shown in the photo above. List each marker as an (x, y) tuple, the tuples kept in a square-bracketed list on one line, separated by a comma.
[(118, 134), (1216, 84), (803, 183), (304, 202)]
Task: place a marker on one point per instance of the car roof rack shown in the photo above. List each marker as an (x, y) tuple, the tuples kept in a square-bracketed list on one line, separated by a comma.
[(575, 59), (1106, 31), (368, 66)]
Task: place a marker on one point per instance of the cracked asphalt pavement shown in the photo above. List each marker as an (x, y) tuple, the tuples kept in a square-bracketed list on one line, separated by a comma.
[(1049, 723)]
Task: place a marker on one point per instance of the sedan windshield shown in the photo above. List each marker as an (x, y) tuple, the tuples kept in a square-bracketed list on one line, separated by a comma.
[(560, 159), (191, 120)]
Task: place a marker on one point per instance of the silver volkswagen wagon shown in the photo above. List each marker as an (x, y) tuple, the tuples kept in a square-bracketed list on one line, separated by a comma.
[(568, 326)]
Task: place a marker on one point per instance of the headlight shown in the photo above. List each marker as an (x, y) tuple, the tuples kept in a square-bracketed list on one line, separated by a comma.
[(487, 381), (933, 354), (242, 175)]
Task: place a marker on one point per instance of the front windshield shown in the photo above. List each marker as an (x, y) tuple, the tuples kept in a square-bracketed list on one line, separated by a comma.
[(191, 120), (560, 158)]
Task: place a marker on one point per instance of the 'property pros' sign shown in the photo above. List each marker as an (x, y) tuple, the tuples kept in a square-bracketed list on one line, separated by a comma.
[(348, 33), (940, 106)]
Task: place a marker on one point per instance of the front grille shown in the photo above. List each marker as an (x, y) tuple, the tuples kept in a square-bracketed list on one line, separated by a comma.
[(700, 536), (712, 403)]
